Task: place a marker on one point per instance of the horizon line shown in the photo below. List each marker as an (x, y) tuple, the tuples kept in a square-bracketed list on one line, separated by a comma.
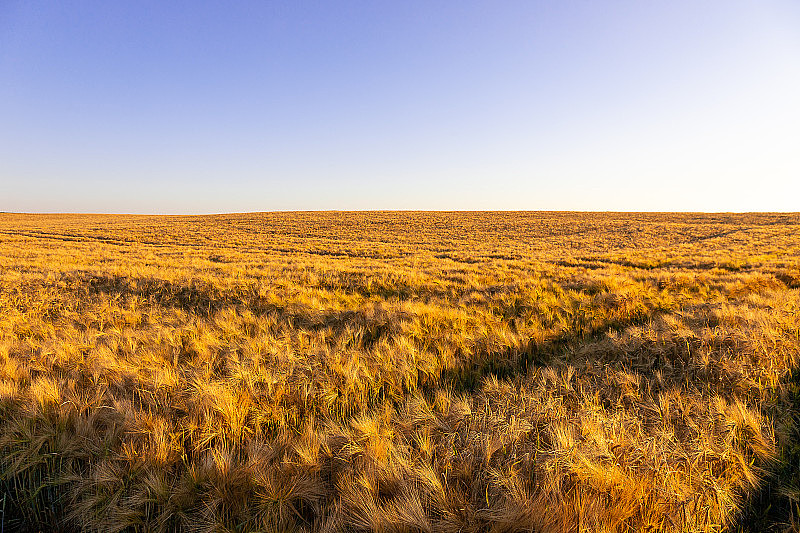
[(224, 213)]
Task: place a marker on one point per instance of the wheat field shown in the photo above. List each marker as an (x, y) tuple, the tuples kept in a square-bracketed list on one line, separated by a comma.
[(400, 371)]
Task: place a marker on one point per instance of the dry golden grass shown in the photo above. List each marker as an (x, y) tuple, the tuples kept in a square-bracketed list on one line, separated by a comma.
[(453, 372)]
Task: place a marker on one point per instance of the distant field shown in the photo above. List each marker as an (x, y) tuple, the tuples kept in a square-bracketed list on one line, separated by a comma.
[(393, 371)]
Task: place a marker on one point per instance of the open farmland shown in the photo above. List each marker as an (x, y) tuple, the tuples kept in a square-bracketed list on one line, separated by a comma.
[(400, 371)]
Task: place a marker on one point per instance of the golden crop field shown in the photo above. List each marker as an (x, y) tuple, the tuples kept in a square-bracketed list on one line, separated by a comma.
[(400, 371)]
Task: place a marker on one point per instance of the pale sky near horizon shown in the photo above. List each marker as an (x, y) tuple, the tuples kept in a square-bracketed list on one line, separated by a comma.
[(203, 107)]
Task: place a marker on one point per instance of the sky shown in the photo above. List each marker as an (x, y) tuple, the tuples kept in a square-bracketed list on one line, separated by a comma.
[(210, 107)]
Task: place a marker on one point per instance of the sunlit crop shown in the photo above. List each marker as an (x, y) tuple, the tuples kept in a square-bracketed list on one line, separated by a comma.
[(453, 372)]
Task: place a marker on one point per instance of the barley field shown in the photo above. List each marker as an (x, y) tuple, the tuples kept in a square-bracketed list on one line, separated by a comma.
[(400, 371)]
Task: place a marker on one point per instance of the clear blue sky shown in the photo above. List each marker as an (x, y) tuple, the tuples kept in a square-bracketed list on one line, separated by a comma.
[(196, 107)]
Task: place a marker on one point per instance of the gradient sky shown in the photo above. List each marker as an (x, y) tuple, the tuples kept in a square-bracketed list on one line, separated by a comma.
[(199, 107)]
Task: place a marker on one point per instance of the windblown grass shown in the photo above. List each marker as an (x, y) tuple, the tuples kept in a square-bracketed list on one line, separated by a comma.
[(549, 372)]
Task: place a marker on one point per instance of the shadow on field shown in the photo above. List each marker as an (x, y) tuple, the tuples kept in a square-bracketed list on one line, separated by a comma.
[(776, 507), (198, 298), (204, 299), (515, 361)]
